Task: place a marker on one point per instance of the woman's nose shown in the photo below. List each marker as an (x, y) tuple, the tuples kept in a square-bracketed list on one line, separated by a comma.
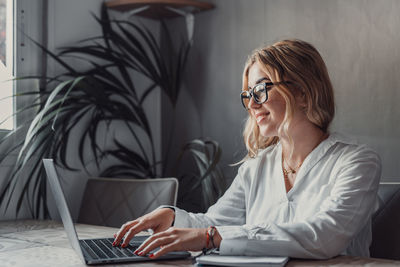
[(253, 104)]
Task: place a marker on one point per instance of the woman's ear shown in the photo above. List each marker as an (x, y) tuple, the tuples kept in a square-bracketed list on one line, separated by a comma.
[(301, 99)]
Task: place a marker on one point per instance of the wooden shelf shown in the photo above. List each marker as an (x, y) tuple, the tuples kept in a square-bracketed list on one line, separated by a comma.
[(157, 8)]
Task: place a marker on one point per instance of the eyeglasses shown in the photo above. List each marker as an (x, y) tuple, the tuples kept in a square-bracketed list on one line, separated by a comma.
[(259, 93)]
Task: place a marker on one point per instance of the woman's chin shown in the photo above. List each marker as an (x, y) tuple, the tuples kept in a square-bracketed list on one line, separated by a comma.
[(267, 132)]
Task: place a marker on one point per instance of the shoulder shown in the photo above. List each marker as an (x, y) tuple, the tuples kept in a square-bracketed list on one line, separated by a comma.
[(353, 159), (348, 148)]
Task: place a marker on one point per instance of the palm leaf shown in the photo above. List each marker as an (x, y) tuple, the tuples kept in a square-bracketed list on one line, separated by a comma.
[(106, 94)]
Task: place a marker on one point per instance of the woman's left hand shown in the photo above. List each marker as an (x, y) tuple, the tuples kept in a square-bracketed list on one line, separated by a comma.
[(173, 239)]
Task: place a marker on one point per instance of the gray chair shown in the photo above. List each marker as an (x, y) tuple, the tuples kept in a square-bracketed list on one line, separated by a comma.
[(386, 223), (112, 202)]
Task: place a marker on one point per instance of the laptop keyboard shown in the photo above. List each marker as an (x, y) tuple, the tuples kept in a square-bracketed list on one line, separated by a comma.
[(103, 249)]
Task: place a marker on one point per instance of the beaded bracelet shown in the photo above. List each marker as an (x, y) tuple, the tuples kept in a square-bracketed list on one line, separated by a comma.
[(209, 237), (211, 231)]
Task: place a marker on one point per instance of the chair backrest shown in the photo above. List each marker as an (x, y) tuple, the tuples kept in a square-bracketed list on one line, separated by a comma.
[(112, 202), (386, 223)]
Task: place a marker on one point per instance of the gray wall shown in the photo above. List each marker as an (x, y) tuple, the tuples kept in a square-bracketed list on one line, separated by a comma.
[(359, 40), (69, 22)]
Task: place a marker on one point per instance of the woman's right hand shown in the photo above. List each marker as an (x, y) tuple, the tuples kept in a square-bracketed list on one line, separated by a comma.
[(158, 220)]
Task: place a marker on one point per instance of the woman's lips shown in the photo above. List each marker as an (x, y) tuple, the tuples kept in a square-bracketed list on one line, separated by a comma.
[(261, 116)]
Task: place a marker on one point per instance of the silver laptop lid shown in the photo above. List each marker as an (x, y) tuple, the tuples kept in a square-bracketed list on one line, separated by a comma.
[(62, 207)]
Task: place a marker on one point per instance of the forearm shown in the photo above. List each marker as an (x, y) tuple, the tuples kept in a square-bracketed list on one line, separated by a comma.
[(261, 240)]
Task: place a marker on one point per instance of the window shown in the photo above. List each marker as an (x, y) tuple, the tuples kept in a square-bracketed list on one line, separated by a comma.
[(6, 64)]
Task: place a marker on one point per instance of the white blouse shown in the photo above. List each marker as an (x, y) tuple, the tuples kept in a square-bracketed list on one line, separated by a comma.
[(326, 213)]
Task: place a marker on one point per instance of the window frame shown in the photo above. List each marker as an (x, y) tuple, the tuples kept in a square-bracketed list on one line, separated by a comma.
[(9, 56), (27, 21)]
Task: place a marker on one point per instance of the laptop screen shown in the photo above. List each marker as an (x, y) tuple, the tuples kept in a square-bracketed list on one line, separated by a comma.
[(62, 205)]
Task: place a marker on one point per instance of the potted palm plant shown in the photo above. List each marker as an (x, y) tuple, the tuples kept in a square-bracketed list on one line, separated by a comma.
[(74, 105)]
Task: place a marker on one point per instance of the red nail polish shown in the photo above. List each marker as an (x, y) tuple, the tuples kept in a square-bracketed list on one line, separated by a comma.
[(140, 253), (113, 244), (151, 255), (123, 245)]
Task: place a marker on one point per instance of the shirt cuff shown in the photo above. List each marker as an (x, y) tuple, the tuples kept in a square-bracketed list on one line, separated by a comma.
[(234, 240)]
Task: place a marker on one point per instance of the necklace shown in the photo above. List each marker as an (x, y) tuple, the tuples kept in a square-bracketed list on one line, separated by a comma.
[(291, 170), (288, 186), (286, 173)]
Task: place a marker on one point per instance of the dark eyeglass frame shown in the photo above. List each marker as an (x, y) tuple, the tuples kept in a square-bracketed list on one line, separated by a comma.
[(267, 87)]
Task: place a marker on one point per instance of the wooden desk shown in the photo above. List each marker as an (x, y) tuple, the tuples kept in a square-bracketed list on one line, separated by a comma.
[(44, 243)]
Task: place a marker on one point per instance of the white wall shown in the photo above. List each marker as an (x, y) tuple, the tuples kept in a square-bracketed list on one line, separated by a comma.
[(358, 40)]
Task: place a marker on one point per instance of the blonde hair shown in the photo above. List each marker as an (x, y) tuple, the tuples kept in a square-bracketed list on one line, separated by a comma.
[(301, 64)]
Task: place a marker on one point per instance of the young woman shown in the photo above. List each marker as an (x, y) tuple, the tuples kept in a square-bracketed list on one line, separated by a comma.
[(301, 191)]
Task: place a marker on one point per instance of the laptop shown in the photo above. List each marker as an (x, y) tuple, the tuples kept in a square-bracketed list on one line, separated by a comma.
[(98, 250)]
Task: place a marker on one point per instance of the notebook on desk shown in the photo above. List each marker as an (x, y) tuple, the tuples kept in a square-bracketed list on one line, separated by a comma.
[(99, 250), (249, 261)]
